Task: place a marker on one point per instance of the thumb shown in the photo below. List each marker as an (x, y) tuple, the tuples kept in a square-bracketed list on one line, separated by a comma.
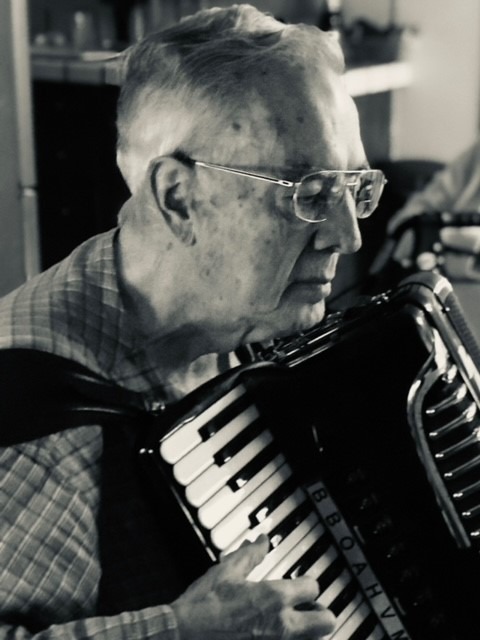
[(239, 563)]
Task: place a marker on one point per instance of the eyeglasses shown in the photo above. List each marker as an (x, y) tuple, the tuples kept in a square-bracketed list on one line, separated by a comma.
[(316, 193)]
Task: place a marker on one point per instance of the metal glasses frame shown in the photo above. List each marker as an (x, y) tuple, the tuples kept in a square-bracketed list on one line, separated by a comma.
[(291, 183)]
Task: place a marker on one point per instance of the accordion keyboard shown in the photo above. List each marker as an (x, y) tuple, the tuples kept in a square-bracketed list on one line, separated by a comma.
[(234, 483)]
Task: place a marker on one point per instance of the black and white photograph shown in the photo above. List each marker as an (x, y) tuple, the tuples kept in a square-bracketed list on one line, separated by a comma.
[(239, 319)]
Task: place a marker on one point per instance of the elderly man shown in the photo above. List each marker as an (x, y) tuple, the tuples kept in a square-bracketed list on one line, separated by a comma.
[(242, 152)]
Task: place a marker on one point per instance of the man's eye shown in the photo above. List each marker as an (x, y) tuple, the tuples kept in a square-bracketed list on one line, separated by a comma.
[(312, 188), (314, 198)]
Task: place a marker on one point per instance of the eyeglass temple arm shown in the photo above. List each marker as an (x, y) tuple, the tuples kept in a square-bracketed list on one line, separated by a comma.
[(248, 174)]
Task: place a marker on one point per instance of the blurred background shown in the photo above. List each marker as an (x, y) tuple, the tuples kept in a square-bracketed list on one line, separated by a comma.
[(412, 68)]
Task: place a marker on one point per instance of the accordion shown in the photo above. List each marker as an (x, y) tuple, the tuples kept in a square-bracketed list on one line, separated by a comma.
[(355, 447)]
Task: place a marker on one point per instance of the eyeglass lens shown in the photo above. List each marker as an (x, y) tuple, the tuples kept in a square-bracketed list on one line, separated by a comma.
[(317, 193)]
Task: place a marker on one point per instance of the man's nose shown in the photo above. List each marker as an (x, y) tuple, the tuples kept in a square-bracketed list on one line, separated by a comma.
[(340, 230)]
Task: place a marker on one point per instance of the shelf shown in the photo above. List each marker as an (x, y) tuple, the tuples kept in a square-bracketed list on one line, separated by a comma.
[(101, 68), (378, 78), (91, 67)]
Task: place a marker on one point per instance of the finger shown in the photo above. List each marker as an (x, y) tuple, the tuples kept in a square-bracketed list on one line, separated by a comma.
[(403, 249), (397, 220), (240, 562), (464, 239), (301, 591), (460, 266), (315, 623)]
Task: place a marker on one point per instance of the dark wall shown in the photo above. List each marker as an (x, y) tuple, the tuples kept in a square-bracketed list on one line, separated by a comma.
[(80, 189)]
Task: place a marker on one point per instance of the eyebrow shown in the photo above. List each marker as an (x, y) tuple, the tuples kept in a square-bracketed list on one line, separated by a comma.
[(305, 166), (364, 166), (294, 171), (303, 170)]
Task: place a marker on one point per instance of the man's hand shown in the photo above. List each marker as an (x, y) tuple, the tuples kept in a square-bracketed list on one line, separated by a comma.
[(462, 252), (224, 605), (464, 239)]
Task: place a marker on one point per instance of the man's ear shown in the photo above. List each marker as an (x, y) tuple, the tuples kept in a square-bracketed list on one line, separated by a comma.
[(170, 182)]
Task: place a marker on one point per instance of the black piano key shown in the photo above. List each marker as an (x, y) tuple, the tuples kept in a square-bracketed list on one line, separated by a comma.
[(227, 452), (366, 628), (312, 555), (344, 598), (329, 575), (214, 425), (272, 502), (282, 530), (253, 467)]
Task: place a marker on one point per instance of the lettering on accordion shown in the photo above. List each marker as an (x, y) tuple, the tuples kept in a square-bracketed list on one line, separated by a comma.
[(350, 547)]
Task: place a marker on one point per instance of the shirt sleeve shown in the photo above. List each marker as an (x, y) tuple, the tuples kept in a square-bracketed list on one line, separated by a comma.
[(154, 623), (49, 565)]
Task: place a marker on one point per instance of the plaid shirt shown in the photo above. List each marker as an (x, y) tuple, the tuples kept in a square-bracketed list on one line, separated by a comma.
[(50, 487)]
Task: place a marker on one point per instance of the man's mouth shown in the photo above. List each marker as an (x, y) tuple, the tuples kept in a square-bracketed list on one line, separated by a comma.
[(312, 290)]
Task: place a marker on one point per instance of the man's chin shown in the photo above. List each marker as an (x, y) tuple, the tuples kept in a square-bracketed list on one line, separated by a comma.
[(286, 320), (307, 317)]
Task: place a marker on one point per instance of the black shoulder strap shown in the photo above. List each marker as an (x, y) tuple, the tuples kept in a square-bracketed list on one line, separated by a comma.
[(41, 394)]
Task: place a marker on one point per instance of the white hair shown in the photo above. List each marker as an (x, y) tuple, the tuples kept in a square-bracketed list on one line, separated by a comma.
[(180, 86)]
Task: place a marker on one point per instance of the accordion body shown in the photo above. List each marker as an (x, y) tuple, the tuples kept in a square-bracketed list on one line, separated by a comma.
[(355, 447)]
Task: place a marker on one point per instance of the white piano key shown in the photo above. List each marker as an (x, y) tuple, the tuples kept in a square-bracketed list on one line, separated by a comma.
[(226, 500), (350, 608), (283, 510), (299, 548), (230, 509), (331, 592), (322, 564), (275, 555), (346, 630), (215, 477), (197, 460), (186, 437)]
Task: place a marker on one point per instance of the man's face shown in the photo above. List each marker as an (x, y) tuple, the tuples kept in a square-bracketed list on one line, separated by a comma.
[(262, 272)]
